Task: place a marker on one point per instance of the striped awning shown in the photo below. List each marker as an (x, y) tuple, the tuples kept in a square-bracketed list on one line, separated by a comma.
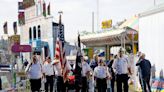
[(131, 23)]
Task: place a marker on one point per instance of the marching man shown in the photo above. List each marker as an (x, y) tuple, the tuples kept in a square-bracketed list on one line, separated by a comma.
[(101, 75), (48, 74)]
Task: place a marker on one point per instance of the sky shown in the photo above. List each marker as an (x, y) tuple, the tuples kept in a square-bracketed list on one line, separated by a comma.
[(77, 14)]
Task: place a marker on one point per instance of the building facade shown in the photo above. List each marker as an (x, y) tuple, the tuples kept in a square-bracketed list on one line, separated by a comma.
[(39, 31)]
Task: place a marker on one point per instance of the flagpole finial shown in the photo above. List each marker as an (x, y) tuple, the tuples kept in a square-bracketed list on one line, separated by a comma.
[(60, 16)]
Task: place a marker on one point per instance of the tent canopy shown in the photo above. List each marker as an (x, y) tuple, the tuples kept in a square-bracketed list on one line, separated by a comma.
[(112, 37)]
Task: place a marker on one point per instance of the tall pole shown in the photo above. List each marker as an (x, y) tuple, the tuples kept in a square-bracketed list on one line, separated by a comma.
[(92, 22), (97, 15), (60, 14), (154, 2)]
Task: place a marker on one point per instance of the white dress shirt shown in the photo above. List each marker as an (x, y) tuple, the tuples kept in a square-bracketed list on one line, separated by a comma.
[(58, 69), (101, 72), (48, 69), (85, 68), (121, 65), (35, 71)]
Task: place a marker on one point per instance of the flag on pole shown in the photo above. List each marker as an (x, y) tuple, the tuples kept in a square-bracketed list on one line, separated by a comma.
[(78, 67), (5, 28), (48, 9), (21, 18), (60, 55), (57, 49), (15, 27), (44, 9)]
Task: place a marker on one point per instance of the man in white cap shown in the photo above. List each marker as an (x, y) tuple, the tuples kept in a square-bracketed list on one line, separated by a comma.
[(101, 75), (122, 69)]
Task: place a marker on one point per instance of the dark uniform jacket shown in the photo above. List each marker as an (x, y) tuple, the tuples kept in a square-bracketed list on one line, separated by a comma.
[(145, 66)]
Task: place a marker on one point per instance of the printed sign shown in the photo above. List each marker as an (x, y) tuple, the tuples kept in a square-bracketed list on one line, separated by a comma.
[(106, 24), (21, 48)]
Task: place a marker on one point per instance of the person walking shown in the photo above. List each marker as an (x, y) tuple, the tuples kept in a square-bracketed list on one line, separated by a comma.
[(85, 73), (59, 77), (94, 62), (122, 68), (35, 74), (61, 86), (48, 73), (112, 82), (101, 74), (145, 72)]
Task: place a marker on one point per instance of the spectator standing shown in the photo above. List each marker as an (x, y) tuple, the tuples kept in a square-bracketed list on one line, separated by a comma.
[(145, 67)]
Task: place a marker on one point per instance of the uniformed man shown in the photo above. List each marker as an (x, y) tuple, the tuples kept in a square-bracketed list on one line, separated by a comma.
[(101, 75), (58, 73), (85, 72), (35, 73), (48, 73), (61, 87), (122, 68)]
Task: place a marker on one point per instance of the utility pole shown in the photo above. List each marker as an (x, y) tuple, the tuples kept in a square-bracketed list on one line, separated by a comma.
[(97, 15), (154, 2), (92, 22)]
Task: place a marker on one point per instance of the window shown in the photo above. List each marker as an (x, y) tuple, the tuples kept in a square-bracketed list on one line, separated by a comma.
[(34, 30), (30, 33), (39, 32)]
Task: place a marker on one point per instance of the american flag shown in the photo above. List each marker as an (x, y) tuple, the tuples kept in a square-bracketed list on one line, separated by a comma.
[(60, 51), (57, 49), (60, 55), (78, 68)]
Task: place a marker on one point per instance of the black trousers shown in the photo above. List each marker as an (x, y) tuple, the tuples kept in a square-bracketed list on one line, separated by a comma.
[(122, 79), (84, 85), (101, 84), (0, 84), (35, 85), (60, 84), (49, 83), (112, 83), (146, 82)]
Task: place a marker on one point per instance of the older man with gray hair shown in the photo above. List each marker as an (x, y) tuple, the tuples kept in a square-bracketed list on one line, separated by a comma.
[(145, 67)]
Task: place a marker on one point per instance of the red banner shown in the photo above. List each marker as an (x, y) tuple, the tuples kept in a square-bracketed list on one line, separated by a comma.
[(21, 48)]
